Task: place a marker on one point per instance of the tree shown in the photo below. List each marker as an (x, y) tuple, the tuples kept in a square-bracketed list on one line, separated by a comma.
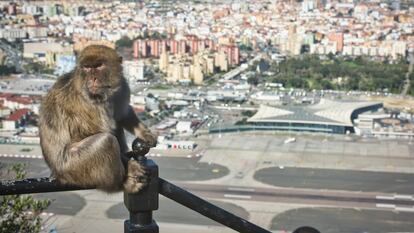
[(6, 70), (253, 80), (124, 42), (21, 213), (248, 113)]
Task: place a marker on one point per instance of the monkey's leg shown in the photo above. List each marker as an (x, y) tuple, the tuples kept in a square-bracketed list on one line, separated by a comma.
[(94, 161), (137, 177)]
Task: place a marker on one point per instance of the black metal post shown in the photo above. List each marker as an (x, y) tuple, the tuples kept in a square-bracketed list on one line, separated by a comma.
[(207, 209), (140, 205)]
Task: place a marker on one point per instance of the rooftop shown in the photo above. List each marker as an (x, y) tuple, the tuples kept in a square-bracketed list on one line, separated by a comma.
[(325, 112), (18, 114)]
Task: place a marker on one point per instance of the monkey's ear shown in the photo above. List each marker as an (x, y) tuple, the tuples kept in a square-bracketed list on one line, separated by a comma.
[(120, 59)]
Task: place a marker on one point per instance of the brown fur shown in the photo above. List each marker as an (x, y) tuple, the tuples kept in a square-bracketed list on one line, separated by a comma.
[(81, 125)]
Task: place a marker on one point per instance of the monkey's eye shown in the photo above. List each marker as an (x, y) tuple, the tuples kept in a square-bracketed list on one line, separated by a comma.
[(101, 67), (87, 69), (95, 66)]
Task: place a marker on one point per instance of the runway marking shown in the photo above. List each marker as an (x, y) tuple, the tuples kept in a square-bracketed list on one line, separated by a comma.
[(41, 214), (395, 196), (406, 209), (240, 189), (380, 205), (409, 197), (396, 208), (385, 197), (21, 156), (237, 196)]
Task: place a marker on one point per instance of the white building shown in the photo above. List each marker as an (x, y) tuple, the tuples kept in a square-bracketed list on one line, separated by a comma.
[(9, 125), (13, 33), (134, 71), (183, 127)]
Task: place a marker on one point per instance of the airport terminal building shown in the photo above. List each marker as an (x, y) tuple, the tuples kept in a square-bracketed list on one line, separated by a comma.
[(328, 116)]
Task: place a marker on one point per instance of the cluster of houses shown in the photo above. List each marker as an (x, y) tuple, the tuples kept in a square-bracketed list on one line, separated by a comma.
[(16, 111)]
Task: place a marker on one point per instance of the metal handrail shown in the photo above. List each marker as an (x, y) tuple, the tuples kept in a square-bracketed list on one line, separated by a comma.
[(141, 205), (167, 189)]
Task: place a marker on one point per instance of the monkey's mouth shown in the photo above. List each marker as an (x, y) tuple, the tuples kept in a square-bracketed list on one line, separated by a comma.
[(97, 89), (98, 94)]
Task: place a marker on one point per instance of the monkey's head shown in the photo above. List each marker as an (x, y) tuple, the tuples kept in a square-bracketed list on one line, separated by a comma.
[(99, 71)]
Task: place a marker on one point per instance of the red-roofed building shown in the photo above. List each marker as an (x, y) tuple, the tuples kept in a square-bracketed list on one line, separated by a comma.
[(17, 119), (13, 102), (4, 96)]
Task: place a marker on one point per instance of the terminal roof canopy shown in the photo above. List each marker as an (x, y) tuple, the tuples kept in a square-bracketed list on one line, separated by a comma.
[(327, 112)]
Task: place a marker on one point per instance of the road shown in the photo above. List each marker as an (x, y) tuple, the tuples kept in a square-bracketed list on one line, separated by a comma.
[(301, 186), (407, 83), (174, 213), (395, 190), (345, 211), (334, 179), (339, 220), (336, 198), (190, 169)]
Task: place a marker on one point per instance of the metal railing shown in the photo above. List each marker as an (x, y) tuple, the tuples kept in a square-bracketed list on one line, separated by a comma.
[(142, 204)]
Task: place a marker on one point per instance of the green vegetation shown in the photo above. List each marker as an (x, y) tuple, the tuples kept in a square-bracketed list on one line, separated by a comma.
[(160, 87), (21, 213), (124, 42), (310, 72), (411, 88), (33, 67), (253, 80), (241, 122), (7, 70), (248, 113), (243, 47), (152, 35)]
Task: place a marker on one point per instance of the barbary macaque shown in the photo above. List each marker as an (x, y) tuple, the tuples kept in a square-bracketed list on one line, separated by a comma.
[(82, 121)]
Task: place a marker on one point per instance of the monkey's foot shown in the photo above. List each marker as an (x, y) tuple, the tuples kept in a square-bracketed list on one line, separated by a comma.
[(147, 136), (137, 177)]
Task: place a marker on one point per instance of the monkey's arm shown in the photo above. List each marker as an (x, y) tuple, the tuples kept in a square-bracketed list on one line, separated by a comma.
[(133, 125)]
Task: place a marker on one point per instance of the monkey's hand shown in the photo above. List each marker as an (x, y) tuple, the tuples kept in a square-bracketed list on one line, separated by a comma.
[(146, 135), (137, 177)]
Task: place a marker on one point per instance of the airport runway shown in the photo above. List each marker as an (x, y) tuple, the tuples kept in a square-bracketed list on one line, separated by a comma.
[(394, 210), (344, 211), (394, 188), (69, 202), (346, 199), (340, 220), (335, 179), (176, 168), (172, 212)]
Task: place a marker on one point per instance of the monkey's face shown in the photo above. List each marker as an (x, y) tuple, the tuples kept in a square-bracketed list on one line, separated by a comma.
[(101, 72)]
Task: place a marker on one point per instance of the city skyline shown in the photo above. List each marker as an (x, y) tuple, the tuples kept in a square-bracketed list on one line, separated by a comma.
[(284, 112)]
